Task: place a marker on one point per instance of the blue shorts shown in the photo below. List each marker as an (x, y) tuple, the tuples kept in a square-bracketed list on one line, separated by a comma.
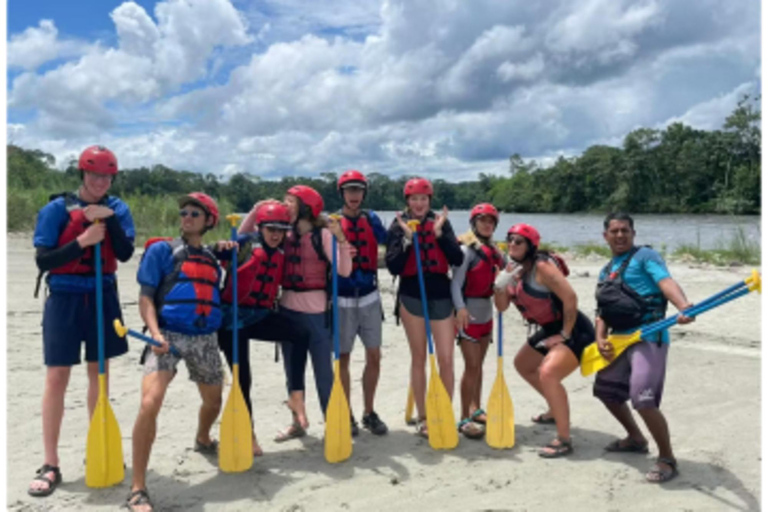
[(70, 318)]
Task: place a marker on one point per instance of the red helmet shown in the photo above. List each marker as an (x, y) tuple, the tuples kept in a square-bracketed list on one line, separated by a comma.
[(352, 178), (484, 209), (309, 197), (98, 159), (273, 214), (417, 186), (204, 201), (527, 231)]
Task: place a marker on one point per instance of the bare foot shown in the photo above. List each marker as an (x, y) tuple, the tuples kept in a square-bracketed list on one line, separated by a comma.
[(257, 451)]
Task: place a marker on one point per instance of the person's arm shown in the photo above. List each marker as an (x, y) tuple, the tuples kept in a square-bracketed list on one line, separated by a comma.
[(504, 278), (550, 276), (379, 231), (149, 277), (121, 243), (49, 258), (398, 249), (457, 283), (674, 294), (449, 244), (343, 253)]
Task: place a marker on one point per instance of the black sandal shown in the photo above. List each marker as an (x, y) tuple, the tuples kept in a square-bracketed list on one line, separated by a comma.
[(142, 498), (561, 449), (46, 468), (659, 475)]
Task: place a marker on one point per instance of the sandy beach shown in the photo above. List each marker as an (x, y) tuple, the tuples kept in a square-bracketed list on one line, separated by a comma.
[(712, 402)]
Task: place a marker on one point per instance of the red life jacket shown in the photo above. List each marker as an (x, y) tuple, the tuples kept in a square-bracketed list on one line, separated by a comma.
[(359, 233), (482, 271), (178, 303), (306, 266), (258, 279), (537, 306), (76, 226), (432, 258)]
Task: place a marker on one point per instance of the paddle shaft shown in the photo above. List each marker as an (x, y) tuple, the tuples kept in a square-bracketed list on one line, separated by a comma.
[(501, 335), (99, 307), (335, 298), (149, 340), (422, 289), (235, 302)]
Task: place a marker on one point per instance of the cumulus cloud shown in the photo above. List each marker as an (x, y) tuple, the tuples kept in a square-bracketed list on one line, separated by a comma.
[(436, 86), (38, 45)]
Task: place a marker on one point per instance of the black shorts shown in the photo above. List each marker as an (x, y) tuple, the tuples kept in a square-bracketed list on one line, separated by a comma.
[(437, 309), (583, 334), (70, 318)]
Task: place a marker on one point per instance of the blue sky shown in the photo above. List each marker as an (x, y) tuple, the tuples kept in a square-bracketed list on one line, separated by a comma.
[(435, 87)]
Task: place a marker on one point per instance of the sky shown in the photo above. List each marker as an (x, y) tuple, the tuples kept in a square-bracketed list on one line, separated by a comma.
[(440, 88)]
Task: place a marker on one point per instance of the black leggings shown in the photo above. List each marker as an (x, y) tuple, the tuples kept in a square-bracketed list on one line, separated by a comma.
[(274, 327)]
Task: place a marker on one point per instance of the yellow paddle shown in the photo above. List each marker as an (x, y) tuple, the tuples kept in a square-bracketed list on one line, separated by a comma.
[(338, 428), (409, 419), (441, 423), (592, 361), (104, 448), (500, 427), (236, 443)]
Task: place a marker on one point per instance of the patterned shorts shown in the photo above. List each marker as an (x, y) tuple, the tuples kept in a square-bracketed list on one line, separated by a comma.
[(200, 353)]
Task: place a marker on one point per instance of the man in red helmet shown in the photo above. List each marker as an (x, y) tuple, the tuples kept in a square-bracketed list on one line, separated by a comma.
[(360, 309), (65, 235), (180, 304)]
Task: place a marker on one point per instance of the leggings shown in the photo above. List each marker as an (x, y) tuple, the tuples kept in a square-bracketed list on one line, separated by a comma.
[(318, 344)]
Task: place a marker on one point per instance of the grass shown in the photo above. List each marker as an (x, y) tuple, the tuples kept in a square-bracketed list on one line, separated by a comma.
[(738, 249), (592, 248)]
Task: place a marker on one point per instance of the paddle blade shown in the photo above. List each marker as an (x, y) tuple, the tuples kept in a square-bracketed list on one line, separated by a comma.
[(104, 448), (592, 361), (235, 443), (338, 431), (500, 427), (441, 423), (409, 420)]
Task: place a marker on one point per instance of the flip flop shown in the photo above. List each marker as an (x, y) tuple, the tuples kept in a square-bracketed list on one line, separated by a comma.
[(476, 416), (561, 449), (542, 420), (659, 475), (294, 431), (470, 429), (52, 484), (207, 449), (632, 446)]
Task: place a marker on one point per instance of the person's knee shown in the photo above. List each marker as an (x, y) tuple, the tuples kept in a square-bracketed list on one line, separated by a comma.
[(344, 360), (523, 366), (57, 378), (549, 374), (373, 356), (151, 404)]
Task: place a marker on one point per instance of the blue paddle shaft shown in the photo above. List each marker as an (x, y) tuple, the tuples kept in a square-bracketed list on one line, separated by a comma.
[(422, 289), (99, 308), (335, 299), (501, 335), (233, 270), (151, 341)]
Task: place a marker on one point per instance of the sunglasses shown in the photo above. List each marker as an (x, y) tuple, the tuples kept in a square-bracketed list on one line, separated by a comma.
[(193, 214), (516, 240)]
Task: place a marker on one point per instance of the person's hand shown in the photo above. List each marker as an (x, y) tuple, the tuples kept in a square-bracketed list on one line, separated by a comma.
[(334, 226), (258, 204), (506, 276), (682, 319), (407, 231), (462, 319), (226, 245), (441, 218), (92, 235), (550, 341), (605, 348), (351, 249), (94, 212), (165, 346)]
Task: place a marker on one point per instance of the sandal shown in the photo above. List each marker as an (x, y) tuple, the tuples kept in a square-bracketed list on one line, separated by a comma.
[(207, 449), (470, 429), (294, 431), (631, 446), (44, 469), (561, 449), (137, 498), (421, 428), (476, 416), (543, 419), (659, 475)]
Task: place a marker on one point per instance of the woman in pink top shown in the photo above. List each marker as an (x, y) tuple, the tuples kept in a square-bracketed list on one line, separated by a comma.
[(304, 300)]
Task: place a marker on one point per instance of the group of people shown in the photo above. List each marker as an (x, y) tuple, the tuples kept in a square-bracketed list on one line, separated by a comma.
[(284, 269)]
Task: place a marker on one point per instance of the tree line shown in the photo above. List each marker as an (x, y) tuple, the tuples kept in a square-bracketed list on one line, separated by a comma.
[(675, 170)]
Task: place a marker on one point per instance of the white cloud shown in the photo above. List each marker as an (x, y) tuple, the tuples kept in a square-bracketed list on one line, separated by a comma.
[(38, 45), (711, 114)]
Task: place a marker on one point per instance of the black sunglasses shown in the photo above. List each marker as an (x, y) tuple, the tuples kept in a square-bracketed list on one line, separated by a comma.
[(193, 214)]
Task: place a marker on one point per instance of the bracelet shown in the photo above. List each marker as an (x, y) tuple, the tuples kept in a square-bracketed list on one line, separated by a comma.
[(566, 339)]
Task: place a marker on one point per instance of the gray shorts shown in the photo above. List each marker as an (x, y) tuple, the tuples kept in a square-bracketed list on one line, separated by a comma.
[(437, 309), (637, 374), (363, 320), (200, 353)]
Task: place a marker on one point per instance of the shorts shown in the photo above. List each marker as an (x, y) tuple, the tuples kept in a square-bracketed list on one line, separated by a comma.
[(69, 318), (583, 334), (438, 309), (363, 320), (474, 332), (637, 374), (200, 353)]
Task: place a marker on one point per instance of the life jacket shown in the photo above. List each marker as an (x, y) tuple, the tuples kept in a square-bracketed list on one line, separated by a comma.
[(621, 307), (537, 306), (432, 258), (258, 279), (359, 233), (189, 295), (76, 225), (482, 271), (306, 266)]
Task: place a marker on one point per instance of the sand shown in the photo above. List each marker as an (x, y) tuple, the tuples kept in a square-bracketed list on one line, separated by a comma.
[(712, 402)]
